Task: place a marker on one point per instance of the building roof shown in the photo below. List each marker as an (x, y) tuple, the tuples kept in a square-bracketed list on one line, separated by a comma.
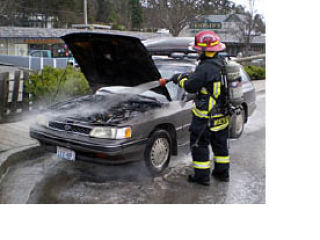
[(20, 32), (220, 18), (215, 18)]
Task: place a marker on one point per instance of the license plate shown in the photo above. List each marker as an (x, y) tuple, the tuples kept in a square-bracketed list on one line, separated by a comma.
[(67, 154)]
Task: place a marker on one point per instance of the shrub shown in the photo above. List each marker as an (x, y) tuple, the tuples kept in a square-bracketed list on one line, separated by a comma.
[(118, 27), (52, 85), (256, 73)]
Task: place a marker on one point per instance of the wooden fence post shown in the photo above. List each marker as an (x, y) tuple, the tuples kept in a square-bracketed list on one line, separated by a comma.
[(25, 94), (4, 78), (15, 93)]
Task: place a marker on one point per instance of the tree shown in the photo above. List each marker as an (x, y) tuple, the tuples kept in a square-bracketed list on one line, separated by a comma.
[(251, 26), (136, 14), (216, 7), (102, 11), (174, 14), (18, 12), (177, 14), (8, 10)]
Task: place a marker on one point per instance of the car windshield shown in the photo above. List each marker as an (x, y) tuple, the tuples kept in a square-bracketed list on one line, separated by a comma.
[(167, 71)]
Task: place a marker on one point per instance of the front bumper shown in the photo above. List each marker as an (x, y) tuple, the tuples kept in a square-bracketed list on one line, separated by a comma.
[(90, 149)]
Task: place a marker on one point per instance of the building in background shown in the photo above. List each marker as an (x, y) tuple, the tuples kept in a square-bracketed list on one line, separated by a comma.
[(229, 27), (20, 41)]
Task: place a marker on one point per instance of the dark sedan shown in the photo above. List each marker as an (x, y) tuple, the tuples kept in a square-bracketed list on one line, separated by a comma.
[(130, 117)]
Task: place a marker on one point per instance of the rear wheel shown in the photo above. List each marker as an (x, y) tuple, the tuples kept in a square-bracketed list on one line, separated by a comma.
[(237, 124), (158, 152)]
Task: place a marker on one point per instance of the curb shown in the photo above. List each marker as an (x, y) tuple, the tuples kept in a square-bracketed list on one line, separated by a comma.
[(14, 156)]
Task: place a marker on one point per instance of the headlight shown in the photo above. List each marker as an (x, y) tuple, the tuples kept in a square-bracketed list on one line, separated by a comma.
[(111, 132), (42, 121)]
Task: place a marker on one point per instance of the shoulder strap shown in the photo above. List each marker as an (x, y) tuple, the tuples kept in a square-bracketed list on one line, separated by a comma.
[(218, 62)]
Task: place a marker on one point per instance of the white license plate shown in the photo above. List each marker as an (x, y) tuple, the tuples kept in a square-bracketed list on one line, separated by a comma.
[(64, 153)]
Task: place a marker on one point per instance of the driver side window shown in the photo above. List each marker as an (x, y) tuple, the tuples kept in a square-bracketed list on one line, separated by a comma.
[(36, 54)]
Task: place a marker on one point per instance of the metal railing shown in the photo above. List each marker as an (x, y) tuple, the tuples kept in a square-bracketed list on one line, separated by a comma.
[(34, 63)]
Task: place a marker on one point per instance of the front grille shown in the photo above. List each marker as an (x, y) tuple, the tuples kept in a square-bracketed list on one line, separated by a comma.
[(69, 127)]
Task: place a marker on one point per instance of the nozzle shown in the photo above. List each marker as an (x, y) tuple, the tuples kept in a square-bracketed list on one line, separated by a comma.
[(163, 81)]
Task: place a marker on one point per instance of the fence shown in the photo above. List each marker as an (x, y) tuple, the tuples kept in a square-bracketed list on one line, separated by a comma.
[(14, 101), (35, 63)]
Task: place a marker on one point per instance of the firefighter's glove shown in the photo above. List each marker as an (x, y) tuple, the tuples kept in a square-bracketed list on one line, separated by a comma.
[(176, 78)]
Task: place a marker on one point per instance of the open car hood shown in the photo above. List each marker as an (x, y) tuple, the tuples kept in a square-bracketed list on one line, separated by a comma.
[(113, 60)]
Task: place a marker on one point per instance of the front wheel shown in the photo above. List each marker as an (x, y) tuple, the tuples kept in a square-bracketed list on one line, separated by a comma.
[(158, 152)]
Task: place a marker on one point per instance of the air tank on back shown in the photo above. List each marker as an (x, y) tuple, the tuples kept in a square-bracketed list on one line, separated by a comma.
[(234, 83)]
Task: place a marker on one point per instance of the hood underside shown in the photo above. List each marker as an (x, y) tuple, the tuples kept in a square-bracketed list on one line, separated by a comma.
[(112, 60)]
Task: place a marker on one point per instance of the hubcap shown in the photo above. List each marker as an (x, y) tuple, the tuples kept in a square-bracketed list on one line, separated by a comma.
[(159, 152)]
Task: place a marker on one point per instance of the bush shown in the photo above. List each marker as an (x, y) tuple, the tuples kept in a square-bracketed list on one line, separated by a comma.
[(256, 73), (118, 27), (52, 85)]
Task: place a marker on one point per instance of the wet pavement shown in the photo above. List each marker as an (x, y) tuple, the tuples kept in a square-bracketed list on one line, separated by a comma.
[(46, 179)]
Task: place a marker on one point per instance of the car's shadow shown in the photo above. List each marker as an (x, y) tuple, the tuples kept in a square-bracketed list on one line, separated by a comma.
[(100, 173)]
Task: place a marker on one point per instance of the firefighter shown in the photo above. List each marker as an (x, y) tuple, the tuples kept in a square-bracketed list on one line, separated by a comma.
[(210, 121)]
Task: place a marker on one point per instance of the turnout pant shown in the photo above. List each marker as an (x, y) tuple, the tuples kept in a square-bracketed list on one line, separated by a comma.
[(200, 149)]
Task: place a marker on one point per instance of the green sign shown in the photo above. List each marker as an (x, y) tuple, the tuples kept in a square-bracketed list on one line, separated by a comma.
[(205, 25)]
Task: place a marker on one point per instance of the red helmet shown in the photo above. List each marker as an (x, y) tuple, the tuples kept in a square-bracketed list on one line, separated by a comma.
[(208, 41)]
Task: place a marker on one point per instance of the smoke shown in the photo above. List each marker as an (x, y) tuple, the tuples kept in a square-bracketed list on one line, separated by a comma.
[(141, 88), (99, 103), (91, 107)]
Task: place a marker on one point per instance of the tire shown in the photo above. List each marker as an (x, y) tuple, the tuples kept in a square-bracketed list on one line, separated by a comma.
[(237, 124), (158, 152)]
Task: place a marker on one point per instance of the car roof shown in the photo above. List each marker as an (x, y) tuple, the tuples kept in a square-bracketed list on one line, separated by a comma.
[(175, 61), (169, 44)]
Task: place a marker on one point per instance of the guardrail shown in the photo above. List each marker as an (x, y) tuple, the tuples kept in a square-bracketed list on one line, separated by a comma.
[(14, 101)]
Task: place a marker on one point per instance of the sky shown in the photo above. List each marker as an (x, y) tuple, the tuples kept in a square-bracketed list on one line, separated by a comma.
[(259, 5)]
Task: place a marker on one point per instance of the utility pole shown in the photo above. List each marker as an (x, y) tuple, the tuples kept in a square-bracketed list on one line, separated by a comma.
[(85, 12)]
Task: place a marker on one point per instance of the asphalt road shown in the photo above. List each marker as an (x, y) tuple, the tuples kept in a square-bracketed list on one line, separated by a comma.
[(47, 179)]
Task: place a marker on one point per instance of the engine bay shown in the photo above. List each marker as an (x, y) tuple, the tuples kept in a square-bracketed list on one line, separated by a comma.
[(110, 109)]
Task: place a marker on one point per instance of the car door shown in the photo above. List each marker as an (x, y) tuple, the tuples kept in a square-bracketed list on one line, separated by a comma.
[(174, 92), (186, 103), (247, 87)]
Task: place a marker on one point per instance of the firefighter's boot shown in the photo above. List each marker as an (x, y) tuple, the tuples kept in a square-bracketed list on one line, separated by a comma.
[(221, 172), (203, 180)]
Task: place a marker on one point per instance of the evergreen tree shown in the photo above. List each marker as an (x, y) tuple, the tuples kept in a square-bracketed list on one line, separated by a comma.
[(136, 14)]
